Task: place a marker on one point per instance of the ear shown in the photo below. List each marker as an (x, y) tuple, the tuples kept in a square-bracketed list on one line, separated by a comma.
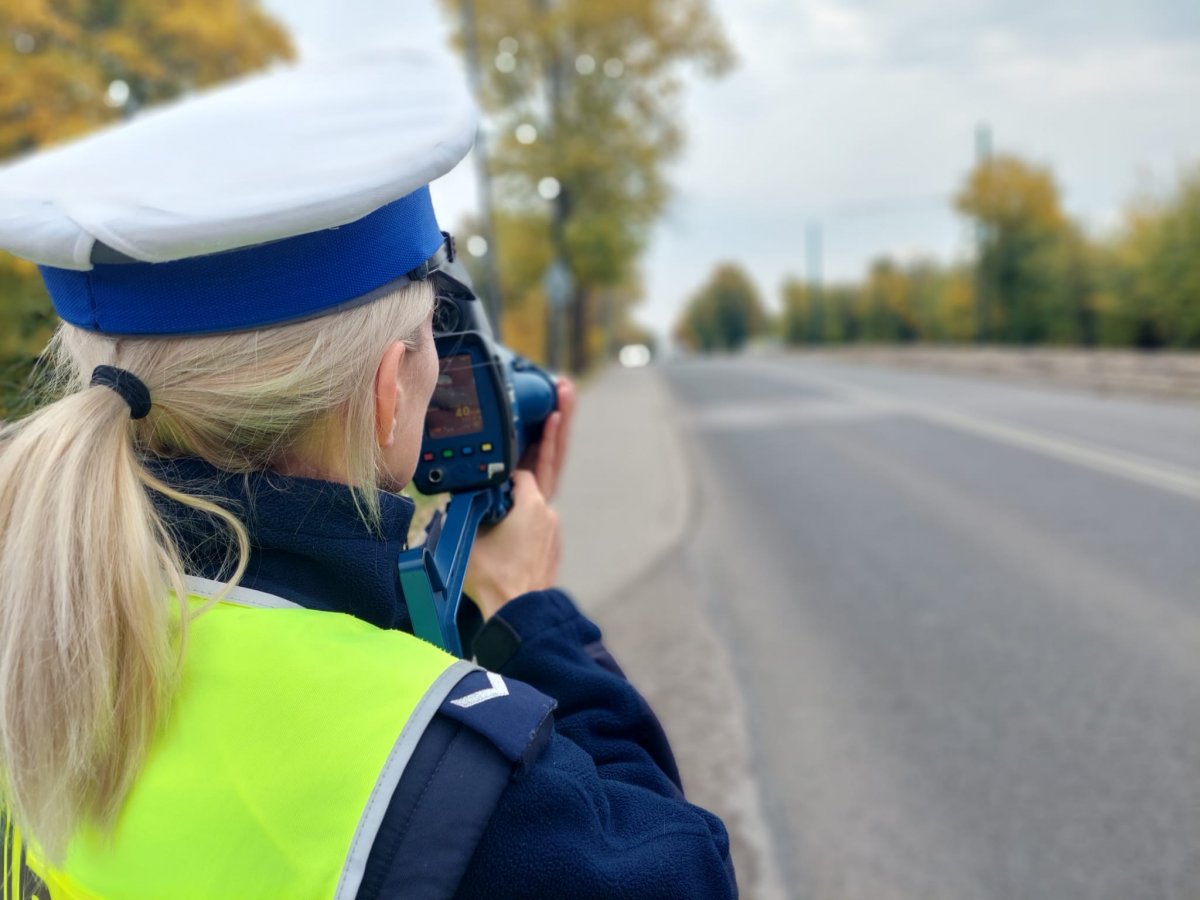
[(387, 393)]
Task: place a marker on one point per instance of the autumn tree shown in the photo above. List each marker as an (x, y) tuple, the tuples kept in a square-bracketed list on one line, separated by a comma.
[(1043, 279), (1028, 250), (1149, 274), (522, 268), (954, 313), (800, 320), (1178, 261), (888, 301), (724, 314), (583, 103), (69, 66), (917, 301)]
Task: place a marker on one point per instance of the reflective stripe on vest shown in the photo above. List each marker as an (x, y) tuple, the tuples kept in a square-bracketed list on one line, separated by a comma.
[(286, 739)]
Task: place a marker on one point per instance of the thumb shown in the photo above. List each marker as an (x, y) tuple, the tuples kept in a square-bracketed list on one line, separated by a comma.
[(525, 485)]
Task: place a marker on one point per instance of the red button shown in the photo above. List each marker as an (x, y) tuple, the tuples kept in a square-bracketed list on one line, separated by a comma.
[(428, 457)]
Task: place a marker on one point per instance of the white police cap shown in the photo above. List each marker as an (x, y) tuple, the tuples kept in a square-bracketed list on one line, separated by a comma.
[(275, 198)]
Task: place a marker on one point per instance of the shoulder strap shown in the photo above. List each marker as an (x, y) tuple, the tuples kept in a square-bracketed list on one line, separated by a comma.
[(488, 726)]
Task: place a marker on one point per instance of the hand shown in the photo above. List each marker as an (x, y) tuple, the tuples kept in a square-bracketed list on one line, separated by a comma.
[(546, 458), (517, 555)]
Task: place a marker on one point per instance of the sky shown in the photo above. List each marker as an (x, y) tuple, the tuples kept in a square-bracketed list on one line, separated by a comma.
[(860, 118)]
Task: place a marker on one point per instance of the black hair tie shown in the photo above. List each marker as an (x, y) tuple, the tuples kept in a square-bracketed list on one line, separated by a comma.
[(128, 385)]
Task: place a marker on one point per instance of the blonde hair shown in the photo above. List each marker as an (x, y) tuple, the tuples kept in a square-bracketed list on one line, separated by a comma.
[(89, 644)]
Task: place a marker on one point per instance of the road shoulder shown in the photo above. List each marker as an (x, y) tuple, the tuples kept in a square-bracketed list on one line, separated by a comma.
[(626, 504)]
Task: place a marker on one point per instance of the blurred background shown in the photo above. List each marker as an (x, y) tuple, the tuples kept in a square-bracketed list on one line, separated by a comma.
[(886, 478)]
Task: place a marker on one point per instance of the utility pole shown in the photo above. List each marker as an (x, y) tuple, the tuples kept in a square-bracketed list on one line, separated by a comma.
[(566, 293), (983, 159), (559, 287), (814, 251), (492, 298)]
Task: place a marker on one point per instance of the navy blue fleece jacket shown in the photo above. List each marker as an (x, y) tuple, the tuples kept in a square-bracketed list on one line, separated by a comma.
[(598, 812)]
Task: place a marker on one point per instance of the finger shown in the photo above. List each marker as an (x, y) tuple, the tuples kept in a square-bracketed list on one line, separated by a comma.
[(531, 458), (566, 407), (528, 504), (525, 487), (548, 456)]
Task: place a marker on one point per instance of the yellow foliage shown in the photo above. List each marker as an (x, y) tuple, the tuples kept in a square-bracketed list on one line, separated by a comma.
[(1037, 279), (21, 268), (891, 293), (57, 59), (1008, 192), (956, 309), (525, 327), (605, 127)]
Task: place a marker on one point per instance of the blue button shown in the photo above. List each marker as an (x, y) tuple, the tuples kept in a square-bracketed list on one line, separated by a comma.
[(468, 451)]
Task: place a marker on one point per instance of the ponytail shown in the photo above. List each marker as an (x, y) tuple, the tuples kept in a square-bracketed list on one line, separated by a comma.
[(85, 657), (90, 646)]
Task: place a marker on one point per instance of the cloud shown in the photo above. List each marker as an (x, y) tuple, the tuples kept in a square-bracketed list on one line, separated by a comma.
[(862, 116), (941, 32), (862, 113)]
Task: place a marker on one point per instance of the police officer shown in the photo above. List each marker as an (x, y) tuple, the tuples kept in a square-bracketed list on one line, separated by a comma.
[(208, 687)]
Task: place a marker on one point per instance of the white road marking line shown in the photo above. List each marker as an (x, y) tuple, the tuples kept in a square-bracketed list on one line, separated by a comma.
[(776, 415), (498, 689), (1179, 480), (1176, 479)]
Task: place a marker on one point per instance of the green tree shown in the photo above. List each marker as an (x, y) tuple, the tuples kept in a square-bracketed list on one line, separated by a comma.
[(811, 314), (1177, 264), (954, 313), (1042, 279), (890, 315), (1126, 301), (841, 320), (798, 322), (1028, 252), (926, 283), (724, 314), (69, 66), (1149, 273), (588, 94)]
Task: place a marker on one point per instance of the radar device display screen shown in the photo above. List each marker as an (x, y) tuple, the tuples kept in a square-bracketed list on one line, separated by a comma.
[(470, 442), (488, 405), (454, 410)]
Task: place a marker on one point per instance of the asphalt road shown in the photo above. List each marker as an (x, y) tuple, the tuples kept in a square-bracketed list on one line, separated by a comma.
[(965, 621)]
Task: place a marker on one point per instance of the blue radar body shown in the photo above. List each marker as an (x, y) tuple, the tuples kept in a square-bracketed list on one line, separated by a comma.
[(488, 408)]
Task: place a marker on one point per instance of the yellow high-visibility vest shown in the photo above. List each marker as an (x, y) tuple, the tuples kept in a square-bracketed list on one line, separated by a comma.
[(286, 739)]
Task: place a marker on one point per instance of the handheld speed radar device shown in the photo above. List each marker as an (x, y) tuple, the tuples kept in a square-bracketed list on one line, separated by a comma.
[(488, 407)]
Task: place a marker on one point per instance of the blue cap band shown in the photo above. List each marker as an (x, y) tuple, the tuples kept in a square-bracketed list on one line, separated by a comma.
[(286, 280)]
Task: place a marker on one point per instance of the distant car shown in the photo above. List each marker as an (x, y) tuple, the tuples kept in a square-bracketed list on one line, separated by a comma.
[(634, 356)]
